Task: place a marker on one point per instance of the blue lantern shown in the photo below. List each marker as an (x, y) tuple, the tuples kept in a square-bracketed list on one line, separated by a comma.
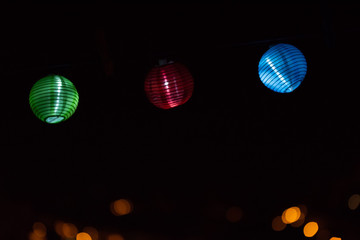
[(282, 68)]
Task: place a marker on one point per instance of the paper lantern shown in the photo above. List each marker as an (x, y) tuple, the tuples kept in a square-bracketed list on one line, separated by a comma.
[(53, 99), (282, 68), (169, 85)]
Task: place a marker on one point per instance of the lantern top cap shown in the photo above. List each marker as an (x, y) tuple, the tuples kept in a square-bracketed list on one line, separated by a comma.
[(280, 44), (164, 61)]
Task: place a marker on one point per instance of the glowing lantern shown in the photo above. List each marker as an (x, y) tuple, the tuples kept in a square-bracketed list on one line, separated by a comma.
[(169, 85), (282, 68), (53, 99)]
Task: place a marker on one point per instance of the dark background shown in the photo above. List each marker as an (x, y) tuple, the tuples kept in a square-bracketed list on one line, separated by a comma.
[(234, 143)]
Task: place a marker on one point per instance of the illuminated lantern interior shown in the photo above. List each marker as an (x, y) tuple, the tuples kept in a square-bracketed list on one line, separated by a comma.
[(53, 99), (169, 85), (282, 68)]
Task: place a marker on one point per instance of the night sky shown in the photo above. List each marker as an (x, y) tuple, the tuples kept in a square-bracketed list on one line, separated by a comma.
[(235, 143)]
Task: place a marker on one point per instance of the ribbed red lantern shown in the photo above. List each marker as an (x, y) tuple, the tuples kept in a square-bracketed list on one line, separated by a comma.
[(169, 85)]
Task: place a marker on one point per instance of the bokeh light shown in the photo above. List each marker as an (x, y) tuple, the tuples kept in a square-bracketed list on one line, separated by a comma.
[(277, 224), (33, 236), (300, 221), (115, 236), (335, 238), (310, 229), (83, 236), (303, 209), (58, 226), (354, 201), (291, 215), (234, 214), (121, 207), (93, 232), (39, 229), (69, 230)]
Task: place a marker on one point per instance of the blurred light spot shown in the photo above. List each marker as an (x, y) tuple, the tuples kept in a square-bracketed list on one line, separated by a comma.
[(115, 237), (58, 225), (83, 236), (335, 238), (234, 214), (33, 236), (311, 229), (121, 207), (354, 201), (300, 221), (39, 229), (323, 234), (291, 215), (92, 232), (277, 224), (69, 230)]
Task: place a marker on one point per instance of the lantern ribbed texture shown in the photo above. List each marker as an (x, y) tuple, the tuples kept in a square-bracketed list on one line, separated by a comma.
[(169, 85), (53, 99), (282, 68)]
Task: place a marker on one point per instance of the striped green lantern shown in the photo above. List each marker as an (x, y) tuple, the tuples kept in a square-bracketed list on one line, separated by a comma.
[(53, 99)]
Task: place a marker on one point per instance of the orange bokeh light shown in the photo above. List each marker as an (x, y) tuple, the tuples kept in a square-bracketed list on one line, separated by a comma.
[(300, 221), (39, 229), (58, 225), (303, 209), (69, 230), (310, 229), (335, 238), (83, 236), (121, 207), (277, 224), (115, 236), (354, 201), (33, 236), (234, 214), (291, 215), (93, 232)]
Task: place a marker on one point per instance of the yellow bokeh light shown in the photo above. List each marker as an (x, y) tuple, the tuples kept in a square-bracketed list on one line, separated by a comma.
[(115, 237), (310, 229), (354, 201), (291, 215), (335, 238), (277, 224), (234, 214), (121, 207), (39, 229), (83, 236)]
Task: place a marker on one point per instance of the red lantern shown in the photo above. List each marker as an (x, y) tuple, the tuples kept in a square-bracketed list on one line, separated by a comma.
[(169, 85)]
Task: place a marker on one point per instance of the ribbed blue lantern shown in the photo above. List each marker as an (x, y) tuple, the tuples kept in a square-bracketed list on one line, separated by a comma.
[(282, 68)]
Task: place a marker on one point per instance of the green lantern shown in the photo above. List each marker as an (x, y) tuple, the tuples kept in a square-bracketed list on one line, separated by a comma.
[(53, 99)]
